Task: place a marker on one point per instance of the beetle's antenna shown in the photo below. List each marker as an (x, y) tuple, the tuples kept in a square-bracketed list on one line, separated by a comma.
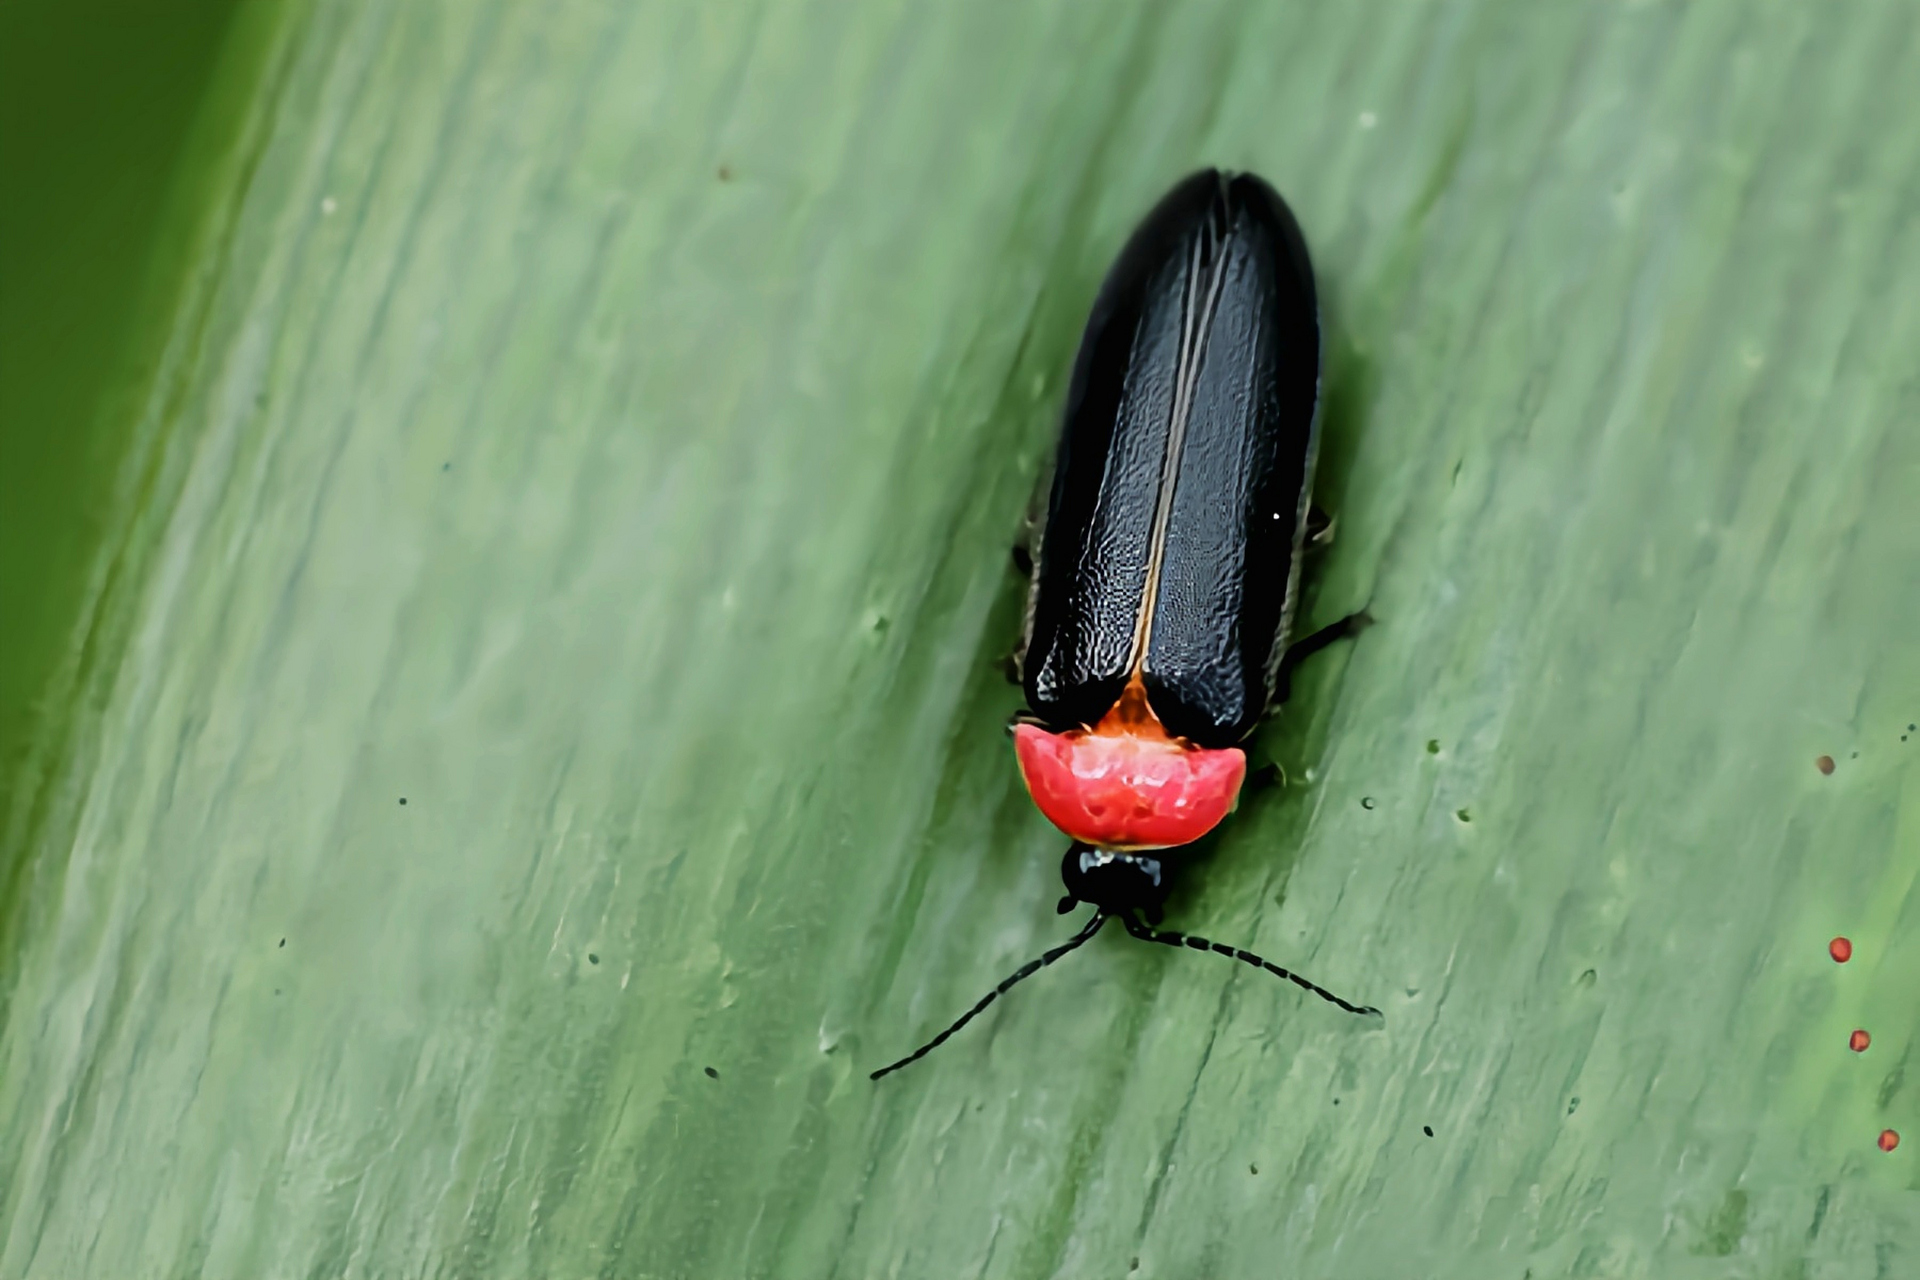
[(1171, 938), (1025, 971)]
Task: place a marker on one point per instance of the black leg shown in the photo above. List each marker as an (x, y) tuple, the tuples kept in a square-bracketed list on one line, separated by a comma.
[(1305, 647), (1319, 526), (1020, 717), (1264, 779), (1022, 555)]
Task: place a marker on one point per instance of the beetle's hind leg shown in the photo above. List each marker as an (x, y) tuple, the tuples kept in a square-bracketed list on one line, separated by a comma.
[(1033, 521), (1012, 663), (1271, 774), (1305, 647), (1025, 544)]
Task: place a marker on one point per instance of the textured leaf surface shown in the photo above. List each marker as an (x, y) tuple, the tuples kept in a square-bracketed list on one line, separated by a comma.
[(555, 655)]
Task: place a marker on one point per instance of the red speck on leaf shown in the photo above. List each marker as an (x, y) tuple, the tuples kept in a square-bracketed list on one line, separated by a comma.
[(1889, 1139), (1841, 950), (1859, 1041)]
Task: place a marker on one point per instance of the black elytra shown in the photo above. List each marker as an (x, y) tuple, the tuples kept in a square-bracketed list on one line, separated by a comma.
[(1180, 488), (1177, 514)]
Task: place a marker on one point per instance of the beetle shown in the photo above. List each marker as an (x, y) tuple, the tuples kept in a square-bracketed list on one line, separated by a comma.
[(1168, 567)]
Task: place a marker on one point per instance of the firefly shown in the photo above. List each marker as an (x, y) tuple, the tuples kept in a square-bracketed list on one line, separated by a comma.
[(1167, 571)]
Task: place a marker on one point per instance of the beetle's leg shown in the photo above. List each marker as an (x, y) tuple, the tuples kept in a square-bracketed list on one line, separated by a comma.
[(1032, 521), (1320, 525), (1306, 646), (1012, 664), (1267, 776), (1026, 546), (1300, 650)]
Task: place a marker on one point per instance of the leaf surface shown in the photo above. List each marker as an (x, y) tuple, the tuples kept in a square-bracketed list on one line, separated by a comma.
[(545, 744)]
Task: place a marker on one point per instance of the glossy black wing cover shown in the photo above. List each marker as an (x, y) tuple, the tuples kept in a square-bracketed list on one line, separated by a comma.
[(1180, 490)]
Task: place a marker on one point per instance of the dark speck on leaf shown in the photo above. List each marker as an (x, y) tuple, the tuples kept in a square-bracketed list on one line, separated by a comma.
[(712, 1074), (283, 942), (593, 957), (1366, 802), (1573, 1105), (1427, 1129), (1433, 746), (1463, 815), (724, 173), (1336, 1102), (276, 991), (403, 799), (1254, 1169)]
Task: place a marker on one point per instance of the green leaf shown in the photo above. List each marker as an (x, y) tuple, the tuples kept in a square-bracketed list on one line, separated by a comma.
[(565, 602)]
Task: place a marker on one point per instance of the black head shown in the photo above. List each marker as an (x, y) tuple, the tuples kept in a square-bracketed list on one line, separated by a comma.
[(1120, 884)]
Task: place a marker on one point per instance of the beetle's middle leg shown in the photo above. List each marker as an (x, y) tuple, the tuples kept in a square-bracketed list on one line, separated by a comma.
[(1305, 647)]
